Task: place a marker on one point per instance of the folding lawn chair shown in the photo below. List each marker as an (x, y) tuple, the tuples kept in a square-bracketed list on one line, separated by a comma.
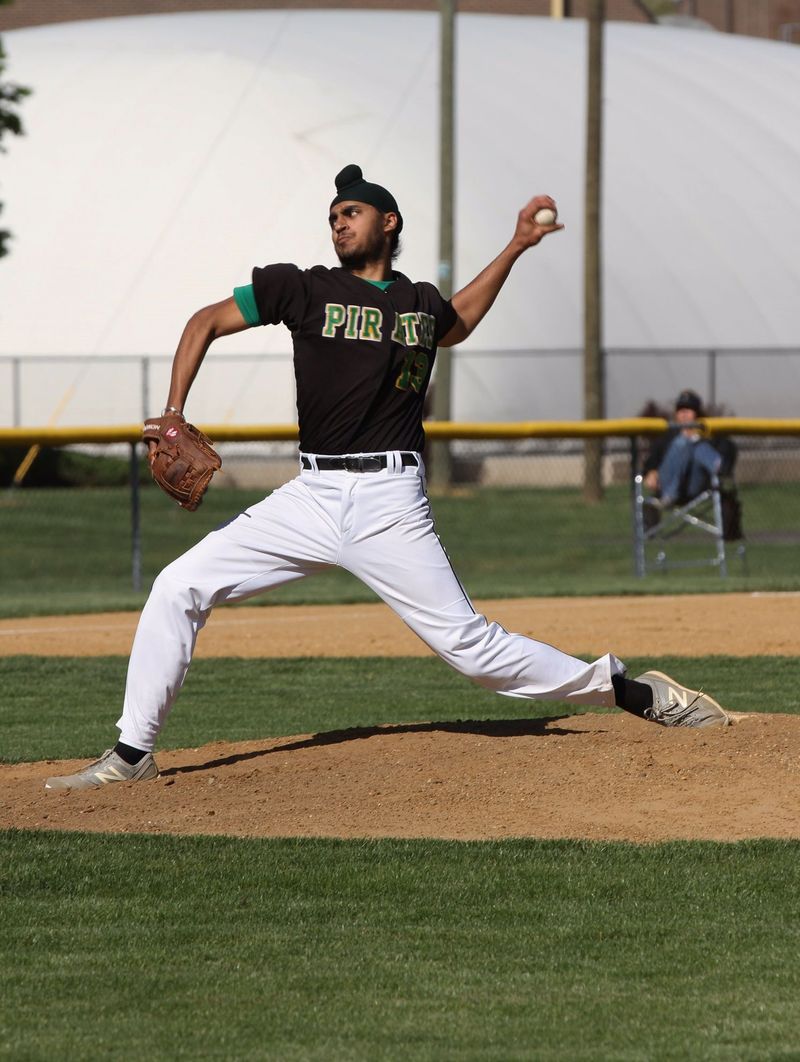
[(715, 512)]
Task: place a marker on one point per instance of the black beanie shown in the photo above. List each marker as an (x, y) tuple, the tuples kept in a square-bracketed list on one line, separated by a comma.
[(689, 400), (350, 184)]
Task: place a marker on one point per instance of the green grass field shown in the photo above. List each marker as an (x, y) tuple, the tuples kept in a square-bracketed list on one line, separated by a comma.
[(380, 950), (203, 947), (195, 948), (54, 707), (70, 550)]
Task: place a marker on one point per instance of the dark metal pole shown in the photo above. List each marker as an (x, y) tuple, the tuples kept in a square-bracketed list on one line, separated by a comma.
[(593, 355), (136, 522), (441, 463)]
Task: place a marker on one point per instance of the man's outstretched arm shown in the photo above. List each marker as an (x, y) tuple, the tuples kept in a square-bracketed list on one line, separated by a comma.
[(220, 319), (472, 302)]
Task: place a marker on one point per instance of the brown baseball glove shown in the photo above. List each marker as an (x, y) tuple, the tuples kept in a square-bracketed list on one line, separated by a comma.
[(182, 461)]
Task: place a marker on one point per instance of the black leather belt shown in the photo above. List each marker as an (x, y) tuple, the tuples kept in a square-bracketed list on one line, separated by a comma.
[(369, 463)]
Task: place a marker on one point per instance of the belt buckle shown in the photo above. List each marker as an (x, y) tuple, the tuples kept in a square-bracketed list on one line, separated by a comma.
[(362, 464)]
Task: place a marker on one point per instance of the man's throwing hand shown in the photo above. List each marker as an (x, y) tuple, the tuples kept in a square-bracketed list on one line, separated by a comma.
[(528, 231)]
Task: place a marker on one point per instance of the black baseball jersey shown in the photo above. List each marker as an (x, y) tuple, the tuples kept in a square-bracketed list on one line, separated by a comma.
[(362, 356)]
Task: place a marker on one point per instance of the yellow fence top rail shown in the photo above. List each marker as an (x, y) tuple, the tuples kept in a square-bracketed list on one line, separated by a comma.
[(535, 429)]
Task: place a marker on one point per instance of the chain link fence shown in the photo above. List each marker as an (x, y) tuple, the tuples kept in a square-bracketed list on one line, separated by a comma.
[(87, 529), (497, 385)]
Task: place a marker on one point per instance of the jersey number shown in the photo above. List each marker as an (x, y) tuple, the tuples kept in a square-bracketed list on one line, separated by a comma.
[(412, 375)]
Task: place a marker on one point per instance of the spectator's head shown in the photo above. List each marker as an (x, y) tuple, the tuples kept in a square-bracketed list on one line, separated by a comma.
[(688, 406)]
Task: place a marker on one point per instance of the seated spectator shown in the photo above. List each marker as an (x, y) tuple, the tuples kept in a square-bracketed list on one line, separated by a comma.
[(681, 463)]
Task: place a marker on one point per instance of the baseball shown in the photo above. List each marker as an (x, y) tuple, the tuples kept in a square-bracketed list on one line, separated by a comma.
[(545, 216)]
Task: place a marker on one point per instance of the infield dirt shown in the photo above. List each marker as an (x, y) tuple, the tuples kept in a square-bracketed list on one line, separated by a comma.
[(597, 776)]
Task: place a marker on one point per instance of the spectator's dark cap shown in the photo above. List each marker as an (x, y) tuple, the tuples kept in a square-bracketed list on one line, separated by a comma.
[(689, 400), (350, 184)]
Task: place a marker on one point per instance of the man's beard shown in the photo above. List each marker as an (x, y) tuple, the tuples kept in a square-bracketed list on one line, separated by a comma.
[(360, 258)]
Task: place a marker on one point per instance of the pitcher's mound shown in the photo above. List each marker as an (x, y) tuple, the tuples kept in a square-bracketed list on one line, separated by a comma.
[(597, 776)]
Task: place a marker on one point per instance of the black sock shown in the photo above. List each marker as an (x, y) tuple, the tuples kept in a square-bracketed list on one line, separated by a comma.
[(632, 696), (129, 753)]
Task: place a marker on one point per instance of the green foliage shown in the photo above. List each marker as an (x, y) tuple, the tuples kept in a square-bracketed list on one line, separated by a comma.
[(59, 467), (660, 7), (408, 950), (60, 708), (11, 96)]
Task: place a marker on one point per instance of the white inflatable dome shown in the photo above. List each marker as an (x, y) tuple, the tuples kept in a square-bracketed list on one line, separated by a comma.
[(166, 155)]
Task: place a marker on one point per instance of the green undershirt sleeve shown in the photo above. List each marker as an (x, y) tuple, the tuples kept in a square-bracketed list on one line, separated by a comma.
[(246, 301)]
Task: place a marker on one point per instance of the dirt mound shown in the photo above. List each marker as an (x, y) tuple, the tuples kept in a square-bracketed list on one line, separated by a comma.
[(597, 776)]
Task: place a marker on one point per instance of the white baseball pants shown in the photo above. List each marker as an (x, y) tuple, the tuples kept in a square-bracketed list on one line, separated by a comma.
[(377, 525)]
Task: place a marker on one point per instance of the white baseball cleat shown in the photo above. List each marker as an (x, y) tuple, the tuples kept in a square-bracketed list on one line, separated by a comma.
[(677, 705), (109, 768)]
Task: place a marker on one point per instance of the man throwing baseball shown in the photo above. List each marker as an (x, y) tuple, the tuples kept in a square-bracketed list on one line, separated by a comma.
[(365, 340)]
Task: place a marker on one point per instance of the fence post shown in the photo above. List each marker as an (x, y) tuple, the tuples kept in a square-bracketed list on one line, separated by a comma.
[(16, 392), (136, 523), (145, 387), (712, 379)]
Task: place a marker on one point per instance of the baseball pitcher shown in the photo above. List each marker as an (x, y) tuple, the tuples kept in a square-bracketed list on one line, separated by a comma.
[(365, 338)]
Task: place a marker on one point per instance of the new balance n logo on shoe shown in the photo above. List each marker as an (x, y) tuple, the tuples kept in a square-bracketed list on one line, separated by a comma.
[(109, 768), (677, 705)]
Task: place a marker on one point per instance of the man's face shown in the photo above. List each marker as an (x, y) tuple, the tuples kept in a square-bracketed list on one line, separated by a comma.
[(685, 416), (359, 233)]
